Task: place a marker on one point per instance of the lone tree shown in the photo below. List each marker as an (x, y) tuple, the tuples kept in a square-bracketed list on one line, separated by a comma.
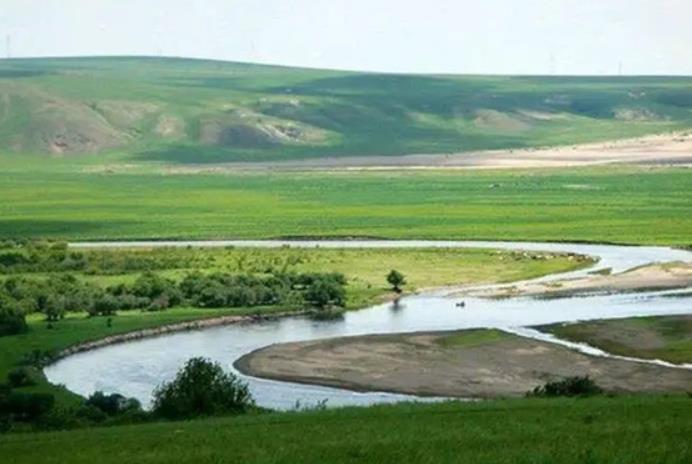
[(202, 388), (396, 279)]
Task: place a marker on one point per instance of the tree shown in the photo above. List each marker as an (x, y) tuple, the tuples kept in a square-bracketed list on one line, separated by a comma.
[(325, 291), (396, 279), (202, 388)]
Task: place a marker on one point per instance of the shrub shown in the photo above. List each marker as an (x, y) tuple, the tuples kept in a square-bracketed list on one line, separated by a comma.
[(104, 305), (26, 406), (12, 319), (202, 388), (113, 404), (20, 377), (325, 291), (569, 386)]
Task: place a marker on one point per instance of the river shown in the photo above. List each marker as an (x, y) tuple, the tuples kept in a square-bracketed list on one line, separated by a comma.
[(135, 368)]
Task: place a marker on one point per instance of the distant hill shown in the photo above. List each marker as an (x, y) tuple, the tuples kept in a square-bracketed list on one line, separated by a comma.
[(197, 111)]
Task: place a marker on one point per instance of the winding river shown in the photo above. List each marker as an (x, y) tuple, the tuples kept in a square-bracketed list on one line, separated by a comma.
[(135, 368)]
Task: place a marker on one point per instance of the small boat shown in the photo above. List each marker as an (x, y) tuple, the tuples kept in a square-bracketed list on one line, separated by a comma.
[(461, 304)]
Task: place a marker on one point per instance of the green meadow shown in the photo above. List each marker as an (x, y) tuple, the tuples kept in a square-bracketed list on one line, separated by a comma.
[(620, 430), (634, 205)]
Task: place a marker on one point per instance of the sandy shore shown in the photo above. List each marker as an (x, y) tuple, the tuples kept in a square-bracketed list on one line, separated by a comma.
[(467, 364), (664, 149), (654, 277)]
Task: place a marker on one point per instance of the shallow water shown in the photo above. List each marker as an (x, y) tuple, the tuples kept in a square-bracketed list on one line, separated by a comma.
[(136, 368)]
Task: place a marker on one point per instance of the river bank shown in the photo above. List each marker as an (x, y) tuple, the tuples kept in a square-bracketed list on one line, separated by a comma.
[(121, 367), (468, 364), (664, 276)]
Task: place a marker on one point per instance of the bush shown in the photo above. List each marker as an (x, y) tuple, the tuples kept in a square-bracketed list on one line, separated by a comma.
[(569, 386), (26, 406), (104, 305), (202, 388), (12, 320), (155, 287), (113, 404), (325, 291), (20, 377)]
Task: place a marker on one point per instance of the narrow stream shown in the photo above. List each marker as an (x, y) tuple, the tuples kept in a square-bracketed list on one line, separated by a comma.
[(136, 368)]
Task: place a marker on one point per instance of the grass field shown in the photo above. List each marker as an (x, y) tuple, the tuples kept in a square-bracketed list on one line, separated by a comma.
[(667, 337), (617, 430), (364, 269), (194, 111), (616, 204)]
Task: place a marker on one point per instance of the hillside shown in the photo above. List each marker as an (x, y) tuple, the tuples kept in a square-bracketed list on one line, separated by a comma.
[(594, 430), (194, 111)]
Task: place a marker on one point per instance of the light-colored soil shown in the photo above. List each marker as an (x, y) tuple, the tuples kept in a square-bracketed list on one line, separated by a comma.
[(653, 277), (462, 364), (665, 149)]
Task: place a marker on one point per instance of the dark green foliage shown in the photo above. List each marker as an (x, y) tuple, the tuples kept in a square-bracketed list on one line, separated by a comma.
[(25, 407), (396, 279), (569, 386), (324, 291), (56, 295), (20, 377), (37, 256), (202, 388), (12, 319), (113, 404)]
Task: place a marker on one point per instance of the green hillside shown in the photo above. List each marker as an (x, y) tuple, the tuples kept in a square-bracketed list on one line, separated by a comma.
[(585, 430), (179, 110)]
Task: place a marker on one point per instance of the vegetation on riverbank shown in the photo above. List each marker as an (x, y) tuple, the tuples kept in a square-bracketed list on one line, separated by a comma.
[(668, 338), (365, 271), (643, 429)]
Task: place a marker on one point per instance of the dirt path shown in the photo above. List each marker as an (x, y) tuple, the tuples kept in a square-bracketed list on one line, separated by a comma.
[(664, 149), (476, 363), (646, 278)]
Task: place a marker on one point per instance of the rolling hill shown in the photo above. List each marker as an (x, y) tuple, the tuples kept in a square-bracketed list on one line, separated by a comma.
[(195, 111)]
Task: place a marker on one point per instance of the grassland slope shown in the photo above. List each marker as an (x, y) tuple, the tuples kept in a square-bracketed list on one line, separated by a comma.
[(195, 111)]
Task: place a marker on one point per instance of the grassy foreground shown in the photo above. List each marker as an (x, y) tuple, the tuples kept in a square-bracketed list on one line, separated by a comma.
[(623, 205), (663, 337), (620, 430)]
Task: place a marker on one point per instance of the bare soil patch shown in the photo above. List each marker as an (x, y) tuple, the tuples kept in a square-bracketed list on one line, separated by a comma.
[(476, 363), (653, 277), (665, 149)]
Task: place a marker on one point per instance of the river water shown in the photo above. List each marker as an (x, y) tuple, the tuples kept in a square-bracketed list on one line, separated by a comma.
[(135, 368)]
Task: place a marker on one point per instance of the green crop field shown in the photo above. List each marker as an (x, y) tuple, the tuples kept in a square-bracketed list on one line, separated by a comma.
[(616, 204), (193, 111), (621, 430)]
